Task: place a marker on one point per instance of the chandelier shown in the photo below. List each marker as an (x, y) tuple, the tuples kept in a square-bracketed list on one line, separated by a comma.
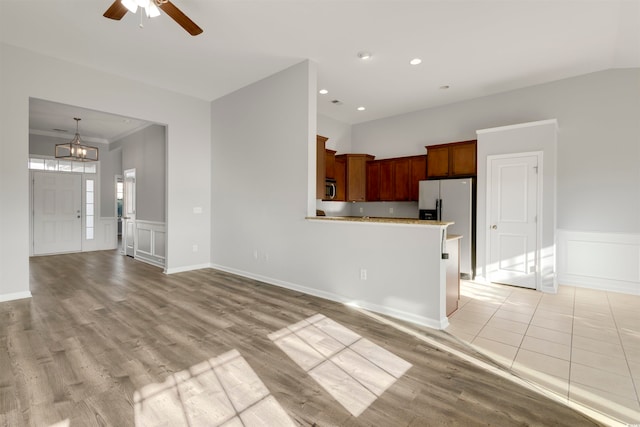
[(76, 150)]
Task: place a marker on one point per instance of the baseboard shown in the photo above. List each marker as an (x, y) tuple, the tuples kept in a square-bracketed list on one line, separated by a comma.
[(603, 261), (15, 296), (186, 268), (388, 311)]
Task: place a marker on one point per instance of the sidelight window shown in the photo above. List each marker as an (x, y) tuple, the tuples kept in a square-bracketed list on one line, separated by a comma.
[(89, 208)]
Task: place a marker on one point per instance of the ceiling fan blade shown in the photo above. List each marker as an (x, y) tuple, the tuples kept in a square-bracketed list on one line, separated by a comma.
[(116, 11), (182, 19)]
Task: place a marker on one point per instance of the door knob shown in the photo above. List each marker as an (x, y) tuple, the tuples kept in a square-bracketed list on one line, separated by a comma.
[(494, 227)]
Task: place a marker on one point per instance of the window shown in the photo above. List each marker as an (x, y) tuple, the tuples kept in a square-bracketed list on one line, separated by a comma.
[(89, 206), (56, 165), (119, 197)]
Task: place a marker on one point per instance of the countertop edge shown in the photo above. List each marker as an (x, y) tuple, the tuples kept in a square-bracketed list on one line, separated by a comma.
[(377, 220)]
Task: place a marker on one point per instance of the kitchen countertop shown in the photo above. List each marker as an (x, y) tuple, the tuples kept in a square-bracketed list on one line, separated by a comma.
[(414, 221)]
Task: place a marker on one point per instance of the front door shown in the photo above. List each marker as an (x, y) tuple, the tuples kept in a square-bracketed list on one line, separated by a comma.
[(129, 215), (57, 213), (513, 206)]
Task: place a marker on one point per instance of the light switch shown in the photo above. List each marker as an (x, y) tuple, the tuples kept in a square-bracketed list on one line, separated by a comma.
[(197, 210)]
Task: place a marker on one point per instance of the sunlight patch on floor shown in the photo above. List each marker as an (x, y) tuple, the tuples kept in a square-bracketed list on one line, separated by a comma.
[(352, 369), (221, 391)]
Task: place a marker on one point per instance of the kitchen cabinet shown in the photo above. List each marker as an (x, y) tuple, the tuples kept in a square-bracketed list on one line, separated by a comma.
[(453, 274), (457, 159), (386, 180), (373, 181), (418, 173), (355, 176), (330, 163), (320, 166), (395, 179), (340, 175)]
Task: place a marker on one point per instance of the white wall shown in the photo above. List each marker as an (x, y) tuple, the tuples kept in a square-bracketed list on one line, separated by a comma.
[(598, 149), (527, 138), (598, 178), (339, 134), (24, 74), (263, 178)]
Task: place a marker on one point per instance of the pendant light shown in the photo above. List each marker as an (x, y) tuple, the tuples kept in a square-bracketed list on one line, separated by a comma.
[(75, 150)]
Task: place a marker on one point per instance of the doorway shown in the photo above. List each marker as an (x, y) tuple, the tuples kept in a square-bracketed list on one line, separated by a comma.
[(129, 213), (514, 201), (57, 213)]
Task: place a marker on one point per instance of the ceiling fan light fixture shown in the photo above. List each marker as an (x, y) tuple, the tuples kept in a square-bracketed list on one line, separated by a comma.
[(131, 5), (152, 10), (76, 150)]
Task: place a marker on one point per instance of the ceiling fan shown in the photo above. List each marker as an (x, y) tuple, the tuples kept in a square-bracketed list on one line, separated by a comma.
[(120, 7)]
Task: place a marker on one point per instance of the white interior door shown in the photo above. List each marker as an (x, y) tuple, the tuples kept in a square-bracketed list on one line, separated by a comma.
[(57, 213), (513, 207), (129, 212)]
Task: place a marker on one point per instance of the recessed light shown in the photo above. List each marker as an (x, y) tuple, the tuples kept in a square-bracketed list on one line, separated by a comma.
[(444, 87), (364, 55), (323, 91), (361, 108), (415, 61)]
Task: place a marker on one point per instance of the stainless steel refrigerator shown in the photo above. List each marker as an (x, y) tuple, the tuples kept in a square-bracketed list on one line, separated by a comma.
[(453, 200)]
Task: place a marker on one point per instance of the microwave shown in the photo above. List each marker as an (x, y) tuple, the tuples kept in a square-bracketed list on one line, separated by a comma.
[(329, 189)]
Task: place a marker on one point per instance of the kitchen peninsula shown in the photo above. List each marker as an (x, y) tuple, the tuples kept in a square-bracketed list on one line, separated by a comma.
[(401, 264)]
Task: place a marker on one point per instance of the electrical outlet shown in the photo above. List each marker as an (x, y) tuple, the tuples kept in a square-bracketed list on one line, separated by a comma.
[(195, 248), (363, 274), (361, 209), (390, 210)]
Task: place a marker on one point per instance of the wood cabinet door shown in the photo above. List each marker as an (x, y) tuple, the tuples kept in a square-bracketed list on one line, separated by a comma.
[(373, 181), (463, 159), (418, 173), (437, 162), (401, 179), (386, 180), (330, 163), (356, 178), (340, 172)]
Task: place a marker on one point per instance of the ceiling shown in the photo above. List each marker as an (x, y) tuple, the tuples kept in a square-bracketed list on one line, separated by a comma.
[(475, 47)]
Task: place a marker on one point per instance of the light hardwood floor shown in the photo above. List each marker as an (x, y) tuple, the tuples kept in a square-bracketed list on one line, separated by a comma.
[(104, 332)]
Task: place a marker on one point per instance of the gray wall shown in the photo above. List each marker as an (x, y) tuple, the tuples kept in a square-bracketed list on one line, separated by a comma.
[(598, 141), (110, 166), (145, 151)]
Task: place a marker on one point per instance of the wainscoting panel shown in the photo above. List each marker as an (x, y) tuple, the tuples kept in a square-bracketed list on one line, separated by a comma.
[(150, 242), (606, 261)]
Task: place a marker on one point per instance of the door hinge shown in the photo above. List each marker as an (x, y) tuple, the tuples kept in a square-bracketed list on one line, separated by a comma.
[(536, 169)]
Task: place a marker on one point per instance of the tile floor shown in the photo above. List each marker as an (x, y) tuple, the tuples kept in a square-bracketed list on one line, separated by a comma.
[(580, 343)]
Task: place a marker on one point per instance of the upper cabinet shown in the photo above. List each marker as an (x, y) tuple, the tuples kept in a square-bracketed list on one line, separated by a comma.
[(457, 159), (330, 163), (355, 176), (320, 166), (395, 179)]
